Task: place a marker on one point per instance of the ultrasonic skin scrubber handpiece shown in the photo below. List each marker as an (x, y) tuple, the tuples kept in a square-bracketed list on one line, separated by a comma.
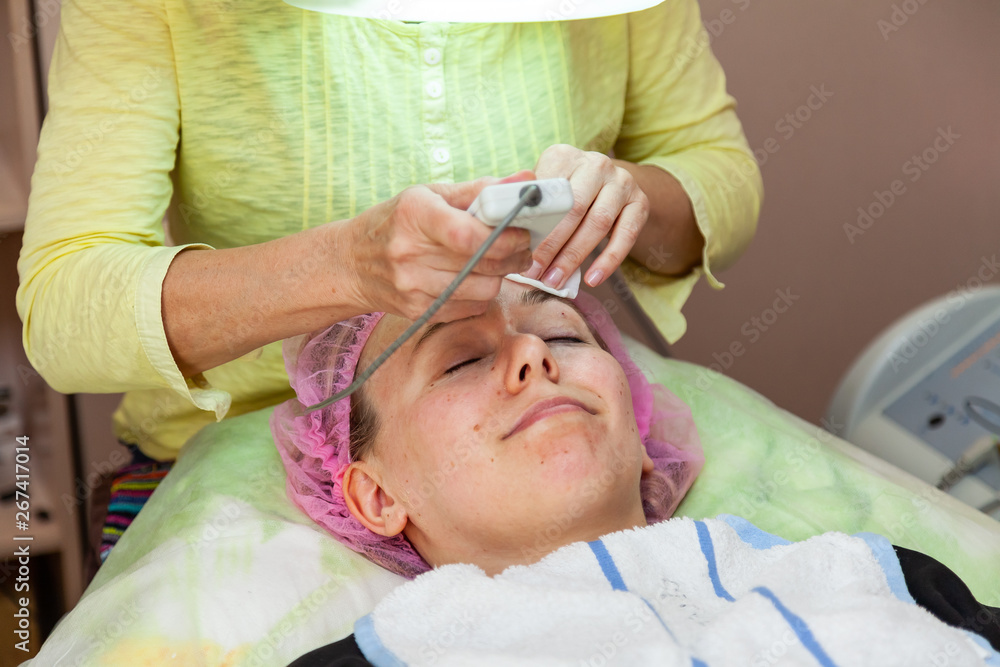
[(540, 217), (557, 200), (537, 206)]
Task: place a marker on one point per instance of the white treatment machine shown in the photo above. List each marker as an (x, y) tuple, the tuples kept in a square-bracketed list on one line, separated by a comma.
[(925, 396)]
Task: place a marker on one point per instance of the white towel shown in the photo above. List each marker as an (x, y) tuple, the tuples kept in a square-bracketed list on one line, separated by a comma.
[(681, 592)]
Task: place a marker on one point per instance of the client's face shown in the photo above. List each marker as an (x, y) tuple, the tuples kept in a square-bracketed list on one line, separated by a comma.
[(503, 436)]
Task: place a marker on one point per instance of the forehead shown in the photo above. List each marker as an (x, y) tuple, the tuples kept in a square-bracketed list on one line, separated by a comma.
[(512, 295), (528, 297)]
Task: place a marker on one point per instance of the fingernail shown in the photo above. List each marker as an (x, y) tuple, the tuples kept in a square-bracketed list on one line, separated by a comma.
[(553, 277), (594, 277), (528, 263), (535, 271)]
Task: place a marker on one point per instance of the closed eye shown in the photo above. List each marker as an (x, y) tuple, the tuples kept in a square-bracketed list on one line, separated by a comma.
[(457, 366), (567, 339)]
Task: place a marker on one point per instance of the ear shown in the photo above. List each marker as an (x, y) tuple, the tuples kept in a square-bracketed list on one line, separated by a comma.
[(370, 503), (647, 463)]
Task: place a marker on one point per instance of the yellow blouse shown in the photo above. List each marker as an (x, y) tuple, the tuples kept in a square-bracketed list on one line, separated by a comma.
[(249, 120)]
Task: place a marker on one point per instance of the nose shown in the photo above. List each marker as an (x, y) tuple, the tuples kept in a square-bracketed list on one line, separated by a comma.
[(530, 360)]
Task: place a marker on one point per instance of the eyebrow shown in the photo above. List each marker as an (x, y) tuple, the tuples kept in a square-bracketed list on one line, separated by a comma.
[(528, 298)]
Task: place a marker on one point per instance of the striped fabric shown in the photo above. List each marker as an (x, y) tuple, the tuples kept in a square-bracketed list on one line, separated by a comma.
[(703, 593), (130, 490)]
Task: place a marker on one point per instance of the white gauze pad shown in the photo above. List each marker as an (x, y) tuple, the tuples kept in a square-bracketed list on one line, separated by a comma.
[(569, 290)]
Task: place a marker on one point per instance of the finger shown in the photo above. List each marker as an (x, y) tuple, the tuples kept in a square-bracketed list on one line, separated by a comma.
[(457, 310), (558, 160), (451, 310), (516, 263), (459, 233), (623, 237), (454, 263), (587, 183), (461, 195), (454, 228), (523, 175), (594, 228), (511, 246), (475, 287), (521, 237)]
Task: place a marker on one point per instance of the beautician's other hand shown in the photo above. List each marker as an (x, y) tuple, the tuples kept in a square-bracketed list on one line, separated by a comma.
[(407, 250), (606, 200)]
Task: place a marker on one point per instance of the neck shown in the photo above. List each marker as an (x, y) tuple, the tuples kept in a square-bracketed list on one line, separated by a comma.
[(532, 546)]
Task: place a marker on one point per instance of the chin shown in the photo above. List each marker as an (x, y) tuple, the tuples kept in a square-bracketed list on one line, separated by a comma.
[(574, 452), (562, 455)]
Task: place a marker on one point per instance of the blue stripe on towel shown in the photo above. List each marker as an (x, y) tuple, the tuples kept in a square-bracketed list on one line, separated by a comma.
[(802, 630), (707, 548), (371, 646), (608, 566), (751, 534), (889, 562), (660, 619), (992, 655), (614, 578)]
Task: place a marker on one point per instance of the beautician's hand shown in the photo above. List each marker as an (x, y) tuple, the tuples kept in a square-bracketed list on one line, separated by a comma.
[(407, 250), (607, 200)]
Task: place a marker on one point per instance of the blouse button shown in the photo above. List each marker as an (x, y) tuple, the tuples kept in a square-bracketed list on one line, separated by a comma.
[(432, 56)]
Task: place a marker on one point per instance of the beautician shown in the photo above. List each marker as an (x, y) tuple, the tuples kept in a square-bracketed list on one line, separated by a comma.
[(316, 165)]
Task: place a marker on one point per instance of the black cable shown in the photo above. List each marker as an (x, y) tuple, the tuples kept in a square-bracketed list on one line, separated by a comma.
[(531, 195)]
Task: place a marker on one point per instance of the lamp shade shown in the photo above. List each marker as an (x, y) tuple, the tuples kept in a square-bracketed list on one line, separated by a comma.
[(476, 11)]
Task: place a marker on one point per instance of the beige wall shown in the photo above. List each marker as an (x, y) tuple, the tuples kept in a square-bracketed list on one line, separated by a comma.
[(890, 96)]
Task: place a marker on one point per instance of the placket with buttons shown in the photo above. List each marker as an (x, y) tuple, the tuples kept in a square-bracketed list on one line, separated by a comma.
[(434, 107)]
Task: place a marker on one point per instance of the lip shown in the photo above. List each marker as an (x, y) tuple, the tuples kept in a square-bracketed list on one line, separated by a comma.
[(544, 408)]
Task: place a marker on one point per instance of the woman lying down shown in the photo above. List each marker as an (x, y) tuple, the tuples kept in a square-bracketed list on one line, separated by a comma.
[(521, 470)]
